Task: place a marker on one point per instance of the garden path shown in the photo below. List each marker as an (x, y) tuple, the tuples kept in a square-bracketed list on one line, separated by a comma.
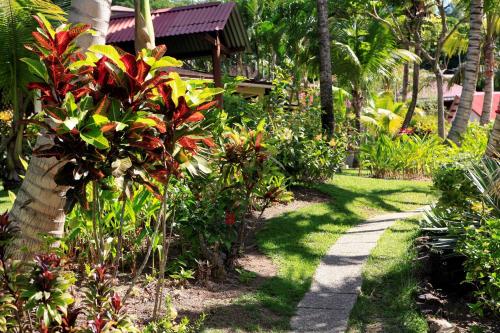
[(337, 281)]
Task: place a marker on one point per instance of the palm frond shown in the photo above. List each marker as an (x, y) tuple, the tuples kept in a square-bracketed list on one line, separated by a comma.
[(345, 61), (486, 177)]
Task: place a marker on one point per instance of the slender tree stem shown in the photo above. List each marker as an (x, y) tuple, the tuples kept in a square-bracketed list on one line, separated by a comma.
[(118, 258), (94, 222), (159, 218), (166, 247)]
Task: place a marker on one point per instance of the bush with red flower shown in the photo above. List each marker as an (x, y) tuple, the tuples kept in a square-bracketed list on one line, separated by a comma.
[(245, 178)]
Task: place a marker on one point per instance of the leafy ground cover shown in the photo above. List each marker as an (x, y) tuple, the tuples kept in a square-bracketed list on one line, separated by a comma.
[(4, 200), (386, 302), (296, 242)]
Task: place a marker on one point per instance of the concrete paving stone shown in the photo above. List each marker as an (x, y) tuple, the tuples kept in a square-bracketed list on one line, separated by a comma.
[(369, 228), (345, 283), (350, 249), (327, 300), (353, 238), (320, 321)]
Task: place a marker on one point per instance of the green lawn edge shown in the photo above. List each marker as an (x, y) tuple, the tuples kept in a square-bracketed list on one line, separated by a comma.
[(386, 302), (297, 241)]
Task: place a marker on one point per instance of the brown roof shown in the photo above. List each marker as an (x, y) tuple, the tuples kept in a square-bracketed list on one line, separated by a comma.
[(182, 28)]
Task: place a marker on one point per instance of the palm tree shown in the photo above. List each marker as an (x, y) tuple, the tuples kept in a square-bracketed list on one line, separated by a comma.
[(16, 25), (492, 31), (144, 30), (471, 68), (367, 56), (325, 72), (39, 205), (493, 149)]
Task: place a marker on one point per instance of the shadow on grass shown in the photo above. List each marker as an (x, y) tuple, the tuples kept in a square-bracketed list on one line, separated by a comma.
[(297, 241), (386, 303)]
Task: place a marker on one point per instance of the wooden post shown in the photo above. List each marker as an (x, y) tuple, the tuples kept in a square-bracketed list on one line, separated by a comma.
[(216, 63)]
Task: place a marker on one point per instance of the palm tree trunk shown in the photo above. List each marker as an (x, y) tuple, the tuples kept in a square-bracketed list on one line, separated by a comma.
[(357, 105), (94, 12), (440, 102), (326, 93), (493, 149), (414, 93), (470, 77), (489, 59), (39, 205), (144, 30)]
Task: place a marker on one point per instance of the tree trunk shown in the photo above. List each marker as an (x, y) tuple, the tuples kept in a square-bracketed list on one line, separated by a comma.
[(493, 149), (357, 105), (39, 206), (144, 30), (461, 120), (94, 12), (440, 102), (326, 93), (489, 59), (404, 88), (414, 93)]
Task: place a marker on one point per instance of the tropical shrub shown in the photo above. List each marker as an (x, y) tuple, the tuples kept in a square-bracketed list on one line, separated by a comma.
[(247, 179), (466, 225), (481, 247), (36, 297), (404, 156), (409, 155), (309, 159), (117, 123)]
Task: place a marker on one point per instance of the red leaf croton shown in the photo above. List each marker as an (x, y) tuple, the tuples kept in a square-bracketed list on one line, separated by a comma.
[(108, 106)]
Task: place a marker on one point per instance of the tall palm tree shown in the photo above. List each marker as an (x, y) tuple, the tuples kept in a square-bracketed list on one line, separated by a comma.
[(325, 72), (144, 30), (39, 206), (492, 31), (16, 25), (470, 77)]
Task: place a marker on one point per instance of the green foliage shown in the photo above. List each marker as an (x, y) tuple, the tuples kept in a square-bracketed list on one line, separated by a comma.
[(465, 222), (247, 179), (404, 156), (481, 246), (454, 185), (365, 53), (413, 155), (36, 296), (16, 25), (309, 159)]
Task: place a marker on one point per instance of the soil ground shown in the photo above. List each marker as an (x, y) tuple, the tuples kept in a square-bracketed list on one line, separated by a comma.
[(193, 299)]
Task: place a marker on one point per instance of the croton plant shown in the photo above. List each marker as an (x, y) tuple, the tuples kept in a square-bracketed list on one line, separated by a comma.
[(112, 114)]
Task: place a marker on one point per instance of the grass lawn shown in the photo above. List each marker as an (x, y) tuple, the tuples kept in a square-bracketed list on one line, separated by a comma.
[(296, 242), (386, 302)]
